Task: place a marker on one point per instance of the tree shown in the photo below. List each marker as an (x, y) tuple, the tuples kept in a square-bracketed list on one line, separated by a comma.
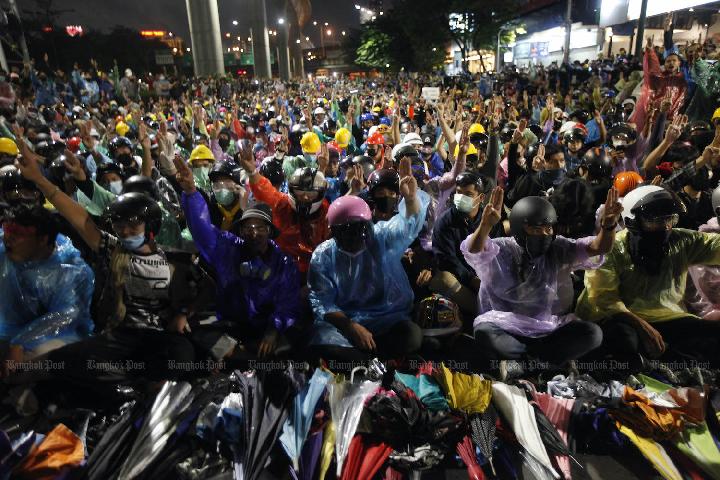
[(374, 48)]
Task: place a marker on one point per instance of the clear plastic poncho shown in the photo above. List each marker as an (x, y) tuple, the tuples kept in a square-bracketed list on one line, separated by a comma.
[(341, 283), (706, 300), (45, 300), (531, 300)]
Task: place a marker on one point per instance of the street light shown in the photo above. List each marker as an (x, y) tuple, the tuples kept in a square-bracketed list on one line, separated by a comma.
[(343, 32), (227, 35), (357, 7), (187, 49), (503, 28), (329, 32), (281, 21), (326, 24), (297, 41), (315, 23), (235, 22)]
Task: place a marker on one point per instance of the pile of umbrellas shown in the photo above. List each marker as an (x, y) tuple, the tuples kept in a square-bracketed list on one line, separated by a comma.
[(314, 424)]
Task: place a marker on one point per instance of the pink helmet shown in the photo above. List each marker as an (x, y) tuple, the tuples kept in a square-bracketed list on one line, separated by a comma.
[(348, 209)]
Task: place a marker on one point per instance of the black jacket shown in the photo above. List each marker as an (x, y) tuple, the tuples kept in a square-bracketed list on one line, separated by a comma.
[(448, 233)]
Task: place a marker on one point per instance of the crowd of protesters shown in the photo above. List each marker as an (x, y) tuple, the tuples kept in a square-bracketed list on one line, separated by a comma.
[(548, 213)]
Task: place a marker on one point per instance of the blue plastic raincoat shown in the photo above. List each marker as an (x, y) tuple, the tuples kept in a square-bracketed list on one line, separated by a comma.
[(249, 289), (45, 300), (372, 288)]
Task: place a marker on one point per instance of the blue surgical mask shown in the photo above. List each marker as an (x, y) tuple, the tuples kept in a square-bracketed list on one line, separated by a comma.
[(134, 242), (115, 187), (311, 160)]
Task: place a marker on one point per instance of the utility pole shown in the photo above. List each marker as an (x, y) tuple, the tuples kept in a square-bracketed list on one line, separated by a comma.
[(641, 30), (568, 30)]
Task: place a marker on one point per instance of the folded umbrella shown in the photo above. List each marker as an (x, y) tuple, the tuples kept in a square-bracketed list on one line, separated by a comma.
[(267, 399), (347, 400), (327, 449), (297, 426), (171, 401), (310, 455), (654, 453), (365, 458), (12, 453), (466, 450), (483, 427), (520, 415), (426, 389), (469, 393)]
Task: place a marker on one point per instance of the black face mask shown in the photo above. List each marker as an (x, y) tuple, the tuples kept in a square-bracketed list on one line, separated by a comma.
[(647, 249), (385, 204), (538, 245), (125, 159), (353, 237), (224, 143), (557, 124)]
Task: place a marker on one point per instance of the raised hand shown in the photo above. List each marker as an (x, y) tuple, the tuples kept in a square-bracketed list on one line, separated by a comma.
[(519, 131), (464, 143), (539, 160), (184, 175), (675, 130), (29, 163), (408, 184), (493, 210), (73, 165), (613, 209), (323, 158), (245, 157), (144, 137)]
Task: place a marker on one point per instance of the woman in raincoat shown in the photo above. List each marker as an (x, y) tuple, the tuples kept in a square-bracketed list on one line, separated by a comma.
[(360, 294), (525, 287)]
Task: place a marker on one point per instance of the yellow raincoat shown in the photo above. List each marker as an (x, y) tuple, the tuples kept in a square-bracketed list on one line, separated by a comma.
[(618, 286)]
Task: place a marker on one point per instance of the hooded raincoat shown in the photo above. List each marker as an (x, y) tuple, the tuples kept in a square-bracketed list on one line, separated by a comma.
[(47, 299), (261, 291), (529, 300), (341, 283), (619, 286)]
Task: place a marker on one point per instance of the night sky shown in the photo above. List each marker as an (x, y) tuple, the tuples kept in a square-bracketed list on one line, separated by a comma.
[(171, 14)]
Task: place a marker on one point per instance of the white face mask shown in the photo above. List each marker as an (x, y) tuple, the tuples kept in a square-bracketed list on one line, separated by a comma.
[(463, 203), (115, 187)]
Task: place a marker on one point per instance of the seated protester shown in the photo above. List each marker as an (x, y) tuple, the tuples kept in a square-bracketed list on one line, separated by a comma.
[(110, 177), (704, 298), (383, 194), (596, 170), (572, 141), (271, 168), (257, 285), (229, 198), (434, 164), (310, 145), (332, 171), (637, 295), (8, 151), (299, 216), (526, 292), (222, 147), (696, 197), (546, 171), (452, 276), (15, 190), (46, 286), (358, 311), (201, 161), (144, 301), (121, 152), (624, 148), (574, 203)]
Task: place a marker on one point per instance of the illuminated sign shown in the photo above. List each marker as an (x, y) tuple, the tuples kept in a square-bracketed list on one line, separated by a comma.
[(614, 12), (153, 33), (74, 30)]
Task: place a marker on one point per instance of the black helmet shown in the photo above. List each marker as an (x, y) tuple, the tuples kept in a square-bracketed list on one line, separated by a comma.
[(536, 129), (649, 201), (386, 177), (271, 169), (621, 135), (366, 163), (12, 183), (138, 207), (142, 184), (110, 167), (581, 116), (329, 127), (575, 134), (49, 148), (700, 133), (466, 179), (532, 211), (507, 131), (117, 143), (56, 171), (228, 169), (405, 151), (480, 140), (598, 163)]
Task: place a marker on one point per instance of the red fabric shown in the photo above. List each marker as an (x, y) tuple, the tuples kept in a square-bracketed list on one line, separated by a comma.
[(466, 450), (364, 459), (392, 474), (296, 239), (656, 84)]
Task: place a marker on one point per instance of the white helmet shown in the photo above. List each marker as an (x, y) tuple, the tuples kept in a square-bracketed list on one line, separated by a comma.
[(319, 111), (631, 199), (412, 138), (650, 201)]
